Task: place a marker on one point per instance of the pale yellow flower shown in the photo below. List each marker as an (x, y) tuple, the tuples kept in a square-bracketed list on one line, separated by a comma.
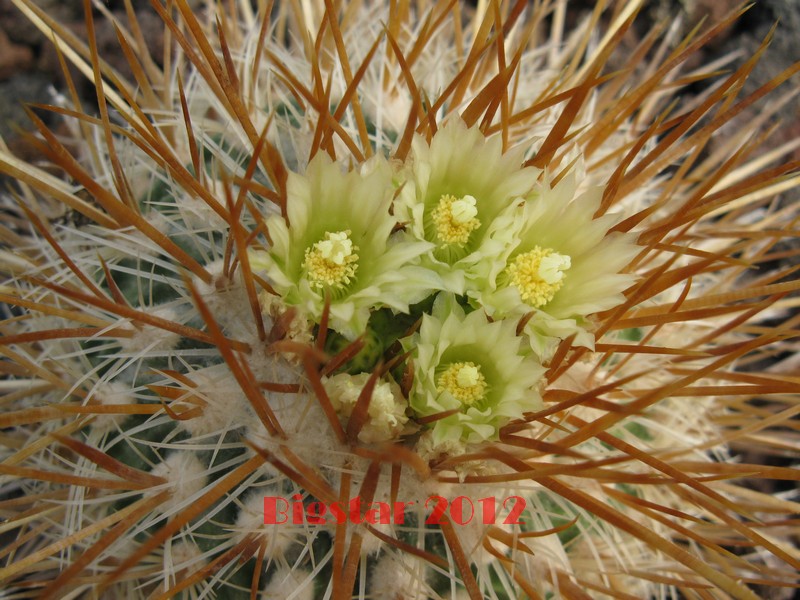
[(478, 369), (463, 195), (337, 241)]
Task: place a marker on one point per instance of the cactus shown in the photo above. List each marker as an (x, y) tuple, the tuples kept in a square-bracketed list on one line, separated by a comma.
[(391, 300)]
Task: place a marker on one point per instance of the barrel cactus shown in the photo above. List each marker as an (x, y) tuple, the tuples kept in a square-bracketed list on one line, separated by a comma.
[(398, 300)]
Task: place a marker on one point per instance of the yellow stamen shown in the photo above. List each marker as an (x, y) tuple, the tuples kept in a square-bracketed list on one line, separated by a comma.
[(332, 261), (538, 275), (455, 219), (464, 381)]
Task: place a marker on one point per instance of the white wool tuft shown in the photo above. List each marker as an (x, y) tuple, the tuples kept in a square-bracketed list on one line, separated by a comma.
[(224, 404), (277, 538), (287, 584), (112, 393), (185, 476), (148, 338), (400, 577)]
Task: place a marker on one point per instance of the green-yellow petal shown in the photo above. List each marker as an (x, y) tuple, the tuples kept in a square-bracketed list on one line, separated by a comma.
[(463, 195), (474, 368), (338, 242), (565, 267)]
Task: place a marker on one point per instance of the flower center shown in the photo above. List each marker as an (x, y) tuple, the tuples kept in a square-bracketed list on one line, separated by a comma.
[(538, 275), (332, 261), (464, 381), (455, 219)]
